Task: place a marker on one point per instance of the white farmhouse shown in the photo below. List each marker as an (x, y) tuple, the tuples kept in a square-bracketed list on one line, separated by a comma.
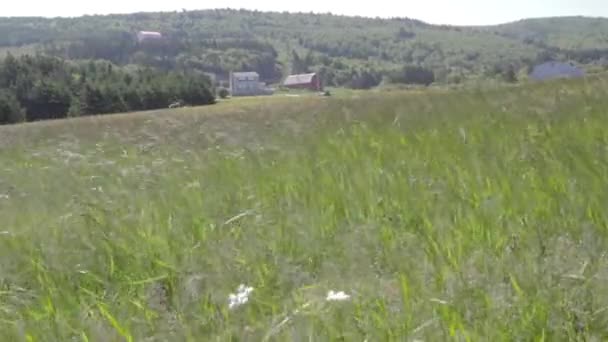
[(247, 84)]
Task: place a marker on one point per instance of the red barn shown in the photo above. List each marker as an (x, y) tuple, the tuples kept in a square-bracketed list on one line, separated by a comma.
[(304, 81)]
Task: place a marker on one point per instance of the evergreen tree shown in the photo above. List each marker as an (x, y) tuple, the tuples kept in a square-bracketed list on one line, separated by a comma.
[(47, 100), (10, 109), (510, 75), (49, 88)]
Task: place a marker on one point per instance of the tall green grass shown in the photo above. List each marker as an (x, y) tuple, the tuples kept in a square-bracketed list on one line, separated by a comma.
[(472, 215)]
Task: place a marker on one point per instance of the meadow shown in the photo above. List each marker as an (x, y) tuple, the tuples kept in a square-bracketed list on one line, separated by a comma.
[(468, 215)]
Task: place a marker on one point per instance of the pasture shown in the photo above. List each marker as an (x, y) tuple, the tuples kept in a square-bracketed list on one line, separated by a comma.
[(405, 216)]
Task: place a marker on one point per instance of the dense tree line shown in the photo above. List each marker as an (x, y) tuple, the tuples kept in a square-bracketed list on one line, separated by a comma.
[(413, 75), (42, 87), (10, 108)]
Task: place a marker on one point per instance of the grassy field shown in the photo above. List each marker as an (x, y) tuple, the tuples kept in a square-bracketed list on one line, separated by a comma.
[(473, 215)]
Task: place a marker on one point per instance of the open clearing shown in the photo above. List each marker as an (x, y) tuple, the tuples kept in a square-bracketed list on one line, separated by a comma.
[(465, 215)]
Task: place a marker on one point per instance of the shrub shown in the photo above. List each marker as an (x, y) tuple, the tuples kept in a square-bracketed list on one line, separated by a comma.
[(414, 75), (10, 109), (223, 93)]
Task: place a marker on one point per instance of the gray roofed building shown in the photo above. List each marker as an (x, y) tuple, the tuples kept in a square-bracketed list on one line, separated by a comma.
[(246, 76), (553, 70)]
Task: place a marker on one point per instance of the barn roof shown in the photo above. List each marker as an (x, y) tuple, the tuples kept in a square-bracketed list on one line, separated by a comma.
[(299, 79), (551, 70)]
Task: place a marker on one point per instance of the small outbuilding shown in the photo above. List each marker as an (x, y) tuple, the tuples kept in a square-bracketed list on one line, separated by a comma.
[(554, 70), (304, 81), (148, 35)]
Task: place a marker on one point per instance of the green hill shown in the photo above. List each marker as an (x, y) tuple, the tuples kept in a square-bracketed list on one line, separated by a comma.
[(567, 33), (344, 50)]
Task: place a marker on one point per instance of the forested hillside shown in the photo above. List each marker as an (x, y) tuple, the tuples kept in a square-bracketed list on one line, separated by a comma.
[(346, 51), (572, 33)]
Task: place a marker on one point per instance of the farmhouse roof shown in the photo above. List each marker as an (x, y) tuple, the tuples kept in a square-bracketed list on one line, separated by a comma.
[(299, 79), (242, 76)]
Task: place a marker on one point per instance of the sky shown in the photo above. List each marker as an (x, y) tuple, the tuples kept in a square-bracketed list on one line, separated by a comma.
[(455, 12)]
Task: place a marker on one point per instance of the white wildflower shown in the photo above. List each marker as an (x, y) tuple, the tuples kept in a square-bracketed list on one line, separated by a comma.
[(238, 217), (158, 162), (193, 185), (81, 270), (439, 301), (333, 296), (66, 217), (4, 196), (68, 156), (240, 298)]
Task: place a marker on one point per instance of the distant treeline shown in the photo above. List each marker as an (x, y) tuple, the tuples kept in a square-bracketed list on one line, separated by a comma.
[(41, 87), (346, 52)]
